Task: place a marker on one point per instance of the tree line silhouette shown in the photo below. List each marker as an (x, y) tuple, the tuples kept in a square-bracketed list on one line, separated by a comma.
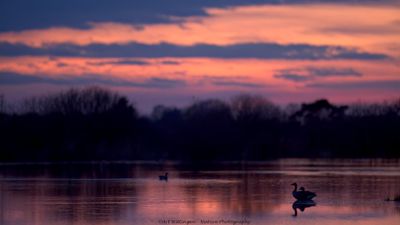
[(97, 124)]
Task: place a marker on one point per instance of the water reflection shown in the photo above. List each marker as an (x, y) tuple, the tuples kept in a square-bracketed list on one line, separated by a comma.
[(125, 194), (302, 205)]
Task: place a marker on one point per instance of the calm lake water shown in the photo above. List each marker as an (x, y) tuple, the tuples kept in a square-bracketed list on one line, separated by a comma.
[(349, 192)]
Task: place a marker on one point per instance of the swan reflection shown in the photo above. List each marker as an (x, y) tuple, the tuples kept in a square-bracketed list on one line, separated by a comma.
[(302, 205)]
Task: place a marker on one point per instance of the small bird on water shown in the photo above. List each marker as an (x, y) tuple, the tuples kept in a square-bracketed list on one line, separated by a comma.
[(164, 177)]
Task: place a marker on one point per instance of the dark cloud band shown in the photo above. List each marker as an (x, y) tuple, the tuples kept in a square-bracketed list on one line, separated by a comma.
[(311, 73), (246, 50), (9, 78), (19, 15)]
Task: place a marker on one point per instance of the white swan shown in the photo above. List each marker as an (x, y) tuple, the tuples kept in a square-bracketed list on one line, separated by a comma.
[(302, 195)]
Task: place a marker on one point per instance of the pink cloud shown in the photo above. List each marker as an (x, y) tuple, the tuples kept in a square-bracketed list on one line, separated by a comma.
[(317, 24)]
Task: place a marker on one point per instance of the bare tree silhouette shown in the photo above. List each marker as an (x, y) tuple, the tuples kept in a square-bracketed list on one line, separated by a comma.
[(97, 124)]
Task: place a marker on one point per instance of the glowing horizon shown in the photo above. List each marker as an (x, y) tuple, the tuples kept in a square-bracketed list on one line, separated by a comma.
[(343, 52)]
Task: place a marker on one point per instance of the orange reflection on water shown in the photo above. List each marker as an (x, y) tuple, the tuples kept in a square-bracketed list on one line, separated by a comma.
[(260, 193)]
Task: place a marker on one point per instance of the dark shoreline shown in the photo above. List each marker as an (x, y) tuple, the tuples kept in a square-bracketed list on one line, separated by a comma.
[(280, 161)]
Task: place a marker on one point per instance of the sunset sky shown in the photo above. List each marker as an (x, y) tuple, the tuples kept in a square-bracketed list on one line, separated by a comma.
[(173, 51)]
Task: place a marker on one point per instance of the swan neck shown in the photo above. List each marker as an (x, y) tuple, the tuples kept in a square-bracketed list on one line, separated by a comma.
[(295, 187)]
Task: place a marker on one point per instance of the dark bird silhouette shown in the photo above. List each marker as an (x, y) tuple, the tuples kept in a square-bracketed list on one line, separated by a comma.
[(395, 199), (302, 195), (164, 177), (302, 205)]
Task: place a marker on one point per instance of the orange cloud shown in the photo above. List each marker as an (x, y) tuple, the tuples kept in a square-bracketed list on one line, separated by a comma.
[(196, 71), (368, 27)]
